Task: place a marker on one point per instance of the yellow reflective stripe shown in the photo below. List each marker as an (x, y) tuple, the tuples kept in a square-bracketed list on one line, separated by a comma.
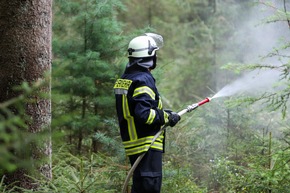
[(129, 118), (166, 117), (142, 141), (157, 145), (160, 106), (144, 148), (151, 116), (144, 90), (137, 150)]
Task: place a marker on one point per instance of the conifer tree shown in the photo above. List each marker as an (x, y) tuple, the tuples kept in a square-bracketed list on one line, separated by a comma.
[(86, 44)]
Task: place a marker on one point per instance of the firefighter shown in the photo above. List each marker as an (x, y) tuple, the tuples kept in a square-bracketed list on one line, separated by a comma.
[(140, 113)]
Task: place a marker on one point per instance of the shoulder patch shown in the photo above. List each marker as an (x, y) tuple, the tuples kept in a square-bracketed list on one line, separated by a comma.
[(122, 85)]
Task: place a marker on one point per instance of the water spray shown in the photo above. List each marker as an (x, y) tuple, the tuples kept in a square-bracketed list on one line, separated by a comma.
[(188, 109)]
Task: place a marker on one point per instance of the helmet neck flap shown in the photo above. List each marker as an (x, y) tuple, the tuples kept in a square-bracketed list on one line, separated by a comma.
[(148, 63)]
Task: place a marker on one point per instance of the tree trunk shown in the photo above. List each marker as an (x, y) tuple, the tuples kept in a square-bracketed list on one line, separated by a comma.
[(81, 129), (95, 143), (25, 55)]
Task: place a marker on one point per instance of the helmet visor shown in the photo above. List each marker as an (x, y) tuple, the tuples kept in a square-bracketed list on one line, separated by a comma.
[(157, 38)]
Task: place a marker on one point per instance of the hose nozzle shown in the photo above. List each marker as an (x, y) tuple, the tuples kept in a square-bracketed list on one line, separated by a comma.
[(206, 100), (194, 106)]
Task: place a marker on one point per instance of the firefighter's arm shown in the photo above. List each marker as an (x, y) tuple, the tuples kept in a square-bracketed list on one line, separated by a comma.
[(146, 111)]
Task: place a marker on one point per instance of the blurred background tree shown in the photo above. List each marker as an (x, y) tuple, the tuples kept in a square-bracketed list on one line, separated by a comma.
[(88, 45)]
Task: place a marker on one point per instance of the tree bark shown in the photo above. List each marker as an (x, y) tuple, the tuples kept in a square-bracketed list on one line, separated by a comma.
[(25, 55)]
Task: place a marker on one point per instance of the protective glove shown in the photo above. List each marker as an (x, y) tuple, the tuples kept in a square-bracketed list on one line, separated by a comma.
[(173, 118)]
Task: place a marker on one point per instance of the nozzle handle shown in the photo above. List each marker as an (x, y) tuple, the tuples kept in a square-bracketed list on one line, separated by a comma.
[(188, 109), (182, 112)]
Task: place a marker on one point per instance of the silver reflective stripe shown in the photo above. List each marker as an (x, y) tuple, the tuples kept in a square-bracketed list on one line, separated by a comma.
[(120, 91), (151, 116)]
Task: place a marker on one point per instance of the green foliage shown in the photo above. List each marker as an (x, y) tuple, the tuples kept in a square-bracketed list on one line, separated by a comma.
[(6, 188), (179, 179), (15, 138), (96, 173), (222, 174), (277, 16), (256, 176)]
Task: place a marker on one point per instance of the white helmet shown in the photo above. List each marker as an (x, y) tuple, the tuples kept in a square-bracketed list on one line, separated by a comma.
[(144, 46)]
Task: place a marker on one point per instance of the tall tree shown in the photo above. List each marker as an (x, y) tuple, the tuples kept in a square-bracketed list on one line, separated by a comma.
[(25, 56), (87, 42)]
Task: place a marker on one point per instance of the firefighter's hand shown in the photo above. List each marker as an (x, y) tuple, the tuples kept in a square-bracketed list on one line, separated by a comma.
[(173, 118)]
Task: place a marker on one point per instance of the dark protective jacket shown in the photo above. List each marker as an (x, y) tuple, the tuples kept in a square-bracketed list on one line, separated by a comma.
[(139, 110)]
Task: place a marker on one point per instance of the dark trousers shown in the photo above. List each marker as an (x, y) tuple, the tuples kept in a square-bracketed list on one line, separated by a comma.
[(147, 177)]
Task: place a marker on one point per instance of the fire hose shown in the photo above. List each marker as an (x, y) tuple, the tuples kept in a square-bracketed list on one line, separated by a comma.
[(180, 113)]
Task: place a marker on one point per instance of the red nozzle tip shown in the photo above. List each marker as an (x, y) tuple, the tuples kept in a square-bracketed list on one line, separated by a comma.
[(204, 101)]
